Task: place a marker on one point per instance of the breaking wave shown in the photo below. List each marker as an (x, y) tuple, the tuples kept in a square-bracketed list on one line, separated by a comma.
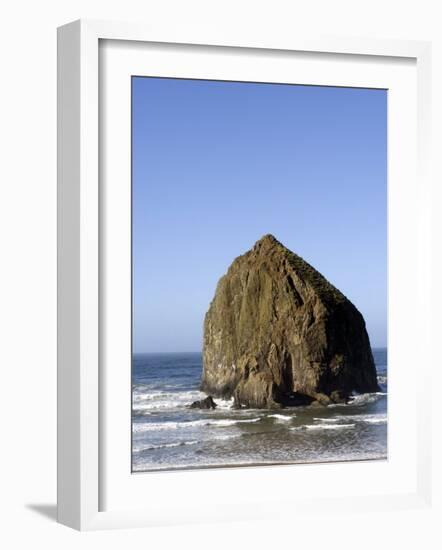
[(364, 398), (368, 418), (148, 427), (144, 402), (328, 426), (282, 417)]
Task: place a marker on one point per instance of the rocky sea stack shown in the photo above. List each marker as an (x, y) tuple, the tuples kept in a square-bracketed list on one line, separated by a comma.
[(277, 333)]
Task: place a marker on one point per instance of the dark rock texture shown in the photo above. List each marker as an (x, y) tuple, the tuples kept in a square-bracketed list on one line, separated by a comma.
[(277, 333), (207, 403)]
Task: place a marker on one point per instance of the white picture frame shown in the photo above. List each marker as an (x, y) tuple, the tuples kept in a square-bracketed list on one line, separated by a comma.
[(82, 468)]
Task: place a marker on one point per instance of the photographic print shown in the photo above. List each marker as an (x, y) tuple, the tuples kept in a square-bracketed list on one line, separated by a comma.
[(259, 274)]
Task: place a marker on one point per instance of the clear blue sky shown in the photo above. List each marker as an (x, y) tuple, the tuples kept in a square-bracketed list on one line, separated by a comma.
[(216, 165)]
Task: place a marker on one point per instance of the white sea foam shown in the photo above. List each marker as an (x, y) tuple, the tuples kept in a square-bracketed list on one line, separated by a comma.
[(144, 427), (159, 400), (224, 403), (364, 398), (382, 379), (375, 418), (328, 426), (334, 419), (283, 417), (156, 395), (368, 418), (148, 427)]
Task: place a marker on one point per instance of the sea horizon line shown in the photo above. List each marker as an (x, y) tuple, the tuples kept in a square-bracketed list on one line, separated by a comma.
[(199, 351)]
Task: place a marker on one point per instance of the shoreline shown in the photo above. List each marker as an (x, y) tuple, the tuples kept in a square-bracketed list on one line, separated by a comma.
[(257, 465)]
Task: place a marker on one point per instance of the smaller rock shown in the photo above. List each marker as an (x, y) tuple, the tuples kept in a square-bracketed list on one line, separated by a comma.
[(316, 404), (207, 403), (338, 397), (323, 399)]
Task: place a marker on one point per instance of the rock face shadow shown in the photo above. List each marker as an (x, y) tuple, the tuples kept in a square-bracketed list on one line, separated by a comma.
[(49, 511)]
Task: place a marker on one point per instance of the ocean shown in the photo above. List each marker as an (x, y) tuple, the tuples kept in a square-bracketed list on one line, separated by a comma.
[(167, 435)]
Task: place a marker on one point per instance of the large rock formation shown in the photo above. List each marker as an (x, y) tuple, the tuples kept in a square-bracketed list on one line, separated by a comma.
[(278, 333)]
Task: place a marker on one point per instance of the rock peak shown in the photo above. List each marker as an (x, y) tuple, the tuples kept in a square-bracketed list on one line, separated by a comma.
[(267, 241), (268, 237)]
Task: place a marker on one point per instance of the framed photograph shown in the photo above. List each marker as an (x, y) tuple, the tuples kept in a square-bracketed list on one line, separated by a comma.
[(276, 365), (243, 276)]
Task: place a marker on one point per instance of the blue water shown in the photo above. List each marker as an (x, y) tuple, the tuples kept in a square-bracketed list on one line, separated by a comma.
[(169, 435)]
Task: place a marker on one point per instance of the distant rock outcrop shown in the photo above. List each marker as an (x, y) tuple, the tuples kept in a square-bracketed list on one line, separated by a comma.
[(277, 333)]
